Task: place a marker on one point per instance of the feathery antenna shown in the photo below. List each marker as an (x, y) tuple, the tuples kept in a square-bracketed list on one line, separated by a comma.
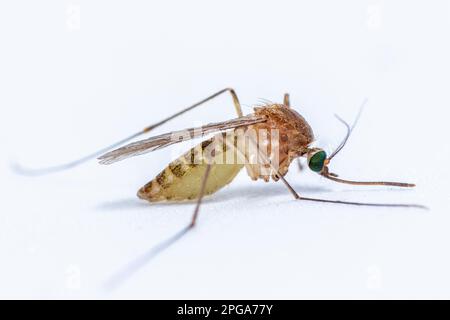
[(349, 129)]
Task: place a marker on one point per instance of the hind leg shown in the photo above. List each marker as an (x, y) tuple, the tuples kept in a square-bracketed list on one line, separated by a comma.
[(71, 164)]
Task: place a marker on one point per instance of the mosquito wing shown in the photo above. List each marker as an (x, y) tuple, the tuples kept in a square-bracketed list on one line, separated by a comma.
[(167, 139)]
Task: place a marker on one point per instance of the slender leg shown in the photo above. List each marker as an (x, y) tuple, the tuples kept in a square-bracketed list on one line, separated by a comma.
[(236, 102), (201, 195), (65, 166), (299, 165), (117, 279), (286, 100), (298, 197)]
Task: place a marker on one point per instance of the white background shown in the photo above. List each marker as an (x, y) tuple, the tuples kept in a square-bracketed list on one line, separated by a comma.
[(78, 75)]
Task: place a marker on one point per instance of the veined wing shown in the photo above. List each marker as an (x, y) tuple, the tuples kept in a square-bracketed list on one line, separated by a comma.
[(167, 139)]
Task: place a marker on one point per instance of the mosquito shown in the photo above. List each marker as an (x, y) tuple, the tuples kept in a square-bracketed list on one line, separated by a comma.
[(201, 171)]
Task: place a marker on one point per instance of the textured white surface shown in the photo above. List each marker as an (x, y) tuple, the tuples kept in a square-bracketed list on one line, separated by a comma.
[(69, 86)]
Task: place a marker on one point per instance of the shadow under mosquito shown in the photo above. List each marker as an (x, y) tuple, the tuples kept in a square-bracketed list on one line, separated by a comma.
[(255, 192), (136, 203), (230, 193), (264, 191)]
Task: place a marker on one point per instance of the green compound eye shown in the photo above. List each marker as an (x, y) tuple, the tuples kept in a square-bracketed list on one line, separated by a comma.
[(317, 161)]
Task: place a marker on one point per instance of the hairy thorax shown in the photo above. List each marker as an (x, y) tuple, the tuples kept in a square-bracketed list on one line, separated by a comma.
[(283, 137)]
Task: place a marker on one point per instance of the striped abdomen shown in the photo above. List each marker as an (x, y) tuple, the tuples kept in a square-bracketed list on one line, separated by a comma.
[(182, 179)]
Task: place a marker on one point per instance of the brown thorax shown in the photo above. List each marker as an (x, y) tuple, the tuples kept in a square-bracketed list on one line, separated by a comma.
[(293, 135)]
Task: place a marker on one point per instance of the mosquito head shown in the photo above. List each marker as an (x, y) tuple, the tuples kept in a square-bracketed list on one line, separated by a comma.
[(317, 160)]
